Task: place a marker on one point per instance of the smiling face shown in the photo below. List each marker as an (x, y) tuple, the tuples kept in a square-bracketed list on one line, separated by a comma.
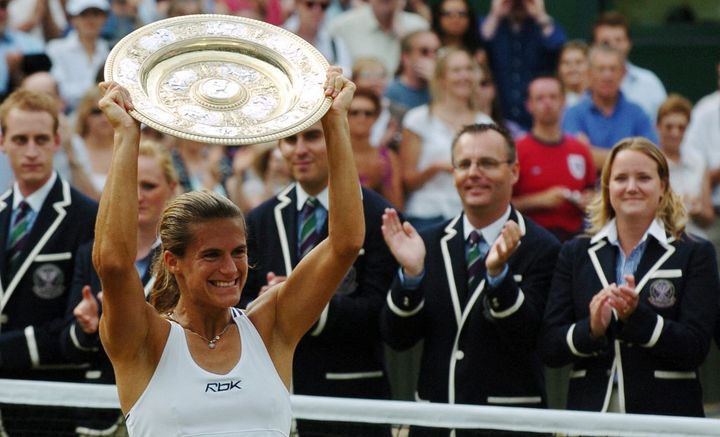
[(635, 187), (458, 75), (484, 189), (213, 270)]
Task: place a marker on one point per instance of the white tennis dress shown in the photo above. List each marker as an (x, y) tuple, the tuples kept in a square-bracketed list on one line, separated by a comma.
[(183, 399)]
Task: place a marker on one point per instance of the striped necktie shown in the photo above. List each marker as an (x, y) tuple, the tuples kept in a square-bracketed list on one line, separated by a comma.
[(309, 236), (477, 249), (18, 237)]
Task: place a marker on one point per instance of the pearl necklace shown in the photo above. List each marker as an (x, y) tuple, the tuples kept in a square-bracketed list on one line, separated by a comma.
[(211, 342)]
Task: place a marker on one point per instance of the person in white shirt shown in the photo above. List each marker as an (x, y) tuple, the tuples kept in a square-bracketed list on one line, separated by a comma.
[(77, 58), (374, 30), (639, 85), (688, 170)]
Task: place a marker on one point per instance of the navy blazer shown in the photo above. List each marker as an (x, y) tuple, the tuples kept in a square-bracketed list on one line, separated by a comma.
[(482, 351), (34, 299), (654, 356), (342, 354)]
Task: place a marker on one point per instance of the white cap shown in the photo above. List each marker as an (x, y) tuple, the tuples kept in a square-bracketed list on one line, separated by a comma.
[(76, 7)]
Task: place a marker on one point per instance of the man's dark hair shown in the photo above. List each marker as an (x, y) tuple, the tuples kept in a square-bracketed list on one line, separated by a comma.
[(479, 128)]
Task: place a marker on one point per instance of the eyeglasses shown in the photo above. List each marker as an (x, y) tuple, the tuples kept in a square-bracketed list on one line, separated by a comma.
[(365, 112), (427, 52), (455, 14), (484, 164), (322, 5)]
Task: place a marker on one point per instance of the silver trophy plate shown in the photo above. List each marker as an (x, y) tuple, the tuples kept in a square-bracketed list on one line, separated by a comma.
[(220, 79)]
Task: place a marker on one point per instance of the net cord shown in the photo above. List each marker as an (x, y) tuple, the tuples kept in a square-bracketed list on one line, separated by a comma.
[(400, 412)]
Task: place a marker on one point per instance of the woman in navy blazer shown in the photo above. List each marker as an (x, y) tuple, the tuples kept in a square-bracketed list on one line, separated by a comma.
[(632, 305)]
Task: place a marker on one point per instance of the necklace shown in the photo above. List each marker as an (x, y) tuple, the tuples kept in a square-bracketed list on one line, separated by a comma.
[(211, 342)]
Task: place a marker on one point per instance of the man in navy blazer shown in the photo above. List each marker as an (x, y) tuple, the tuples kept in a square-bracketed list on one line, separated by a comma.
[(342, 354), (37, 268), (479, 318)]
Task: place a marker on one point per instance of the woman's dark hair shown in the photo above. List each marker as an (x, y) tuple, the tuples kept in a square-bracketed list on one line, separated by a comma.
[(471, 39)]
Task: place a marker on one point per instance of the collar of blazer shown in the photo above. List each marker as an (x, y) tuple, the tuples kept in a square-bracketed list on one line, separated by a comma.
[(5, 215), (452, 247), (49, 218), (285, 219), (603, 256)]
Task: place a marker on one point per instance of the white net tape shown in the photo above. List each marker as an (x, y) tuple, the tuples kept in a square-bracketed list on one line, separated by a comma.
[(401, 412)]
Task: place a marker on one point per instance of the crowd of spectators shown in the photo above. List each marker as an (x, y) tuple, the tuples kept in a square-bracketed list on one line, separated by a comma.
[(424, 73)]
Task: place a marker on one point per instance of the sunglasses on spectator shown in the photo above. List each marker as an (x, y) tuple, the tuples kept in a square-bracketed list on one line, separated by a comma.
[(322, 5), (365, 112), (427, 51), (457, 14)]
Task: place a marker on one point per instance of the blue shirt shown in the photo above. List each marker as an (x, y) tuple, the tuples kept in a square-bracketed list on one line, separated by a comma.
[(628, 265), (518, 57), (408, 98), (626, 120)]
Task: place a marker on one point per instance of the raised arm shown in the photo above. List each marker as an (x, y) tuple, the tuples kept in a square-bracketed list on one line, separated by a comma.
[(286, 312), (127, 318)]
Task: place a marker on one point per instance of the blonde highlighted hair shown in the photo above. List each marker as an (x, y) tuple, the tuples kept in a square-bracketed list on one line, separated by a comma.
[(671, 210), (437, 89), (153, 149)]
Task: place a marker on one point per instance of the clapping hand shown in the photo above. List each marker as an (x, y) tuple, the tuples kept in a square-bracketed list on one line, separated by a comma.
[(404, 242), (507, 242)]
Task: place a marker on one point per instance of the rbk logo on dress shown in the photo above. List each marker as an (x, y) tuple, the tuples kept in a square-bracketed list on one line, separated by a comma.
[(216, 387)]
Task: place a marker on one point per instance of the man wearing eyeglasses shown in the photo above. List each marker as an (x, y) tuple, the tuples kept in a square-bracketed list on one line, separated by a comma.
[(473, 288)]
